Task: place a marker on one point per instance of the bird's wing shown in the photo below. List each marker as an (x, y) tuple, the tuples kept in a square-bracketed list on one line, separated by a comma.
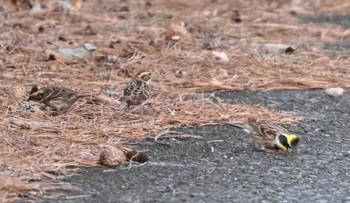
[(130, 88), (268, 131), (53, 92)]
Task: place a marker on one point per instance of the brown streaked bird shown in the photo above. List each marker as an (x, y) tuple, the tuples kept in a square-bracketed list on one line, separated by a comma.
[(271, 137), (58, 98), (137, 90)]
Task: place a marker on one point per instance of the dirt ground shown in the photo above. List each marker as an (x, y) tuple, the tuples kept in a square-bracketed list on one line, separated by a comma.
[(225, 166), (274, 59)]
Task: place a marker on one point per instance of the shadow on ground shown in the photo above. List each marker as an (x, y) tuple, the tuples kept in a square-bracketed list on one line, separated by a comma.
[(225, 166)]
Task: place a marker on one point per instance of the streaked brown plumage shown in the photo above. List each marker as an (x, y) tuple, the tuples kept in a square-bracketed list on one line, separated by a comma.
[(270, 136), (58, 98), (137, 90)]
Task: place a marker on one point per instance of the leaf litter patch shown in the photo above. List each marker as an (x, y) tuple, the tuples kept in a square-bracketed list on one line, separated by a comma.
[(37, 146), (96, 49)]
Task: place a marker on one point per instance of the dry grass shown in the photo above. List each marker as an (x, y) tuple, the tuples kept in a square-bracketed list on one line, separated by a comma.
[(37, 145)]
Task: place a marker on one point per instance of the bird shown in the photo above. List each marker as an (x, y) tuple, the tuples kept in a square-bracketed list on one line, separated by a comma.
[(137, 90), (271, 137), (57, 97)]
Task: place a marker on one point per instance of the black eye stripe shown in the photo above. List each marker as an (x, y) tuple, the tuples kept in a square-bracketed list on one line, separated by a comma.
[(283, 140)]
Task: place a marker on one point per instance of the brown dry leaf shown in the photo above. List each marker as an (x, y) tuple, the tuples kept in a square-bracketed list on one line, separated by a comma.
[(236, 16), (77, 4), (177, 32)]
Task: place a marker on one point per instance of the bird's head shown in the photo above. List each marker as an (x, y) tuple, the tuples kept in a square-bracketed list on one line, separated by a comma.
[(286, 141), (35, 94), (144, 76)]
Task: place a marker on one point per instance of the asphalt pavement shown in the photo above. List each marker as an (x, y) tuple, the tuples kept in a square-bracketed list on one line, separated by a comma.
[(227, 166)]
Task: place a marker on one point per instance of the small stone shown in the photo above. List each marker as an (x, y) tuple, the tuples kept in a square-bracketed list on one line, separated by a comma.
[(335, 92)]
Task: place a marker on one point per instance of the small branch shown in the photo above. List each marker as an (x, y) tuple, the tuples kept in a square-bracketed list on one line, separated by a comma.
[(164, 133), (130, 165), (213, 141), (77, 196)]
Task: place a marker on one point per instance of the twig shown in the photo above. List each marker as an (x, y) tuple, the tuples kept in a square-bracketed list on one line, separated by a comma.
[(77, 196), (24, 70), (164, 133), (109, 170), (190, 136), (131, 165), (281, 26), (213, 141)]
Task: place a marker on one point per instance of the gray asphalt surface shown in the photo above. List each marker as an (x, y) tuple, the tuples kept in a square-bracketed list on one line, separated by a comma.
[(236, 171)]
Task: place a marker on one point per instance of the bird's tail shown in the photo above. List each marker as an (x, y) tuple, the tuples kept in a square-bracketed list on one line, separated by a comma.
[(235, 125), (246, 128)]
